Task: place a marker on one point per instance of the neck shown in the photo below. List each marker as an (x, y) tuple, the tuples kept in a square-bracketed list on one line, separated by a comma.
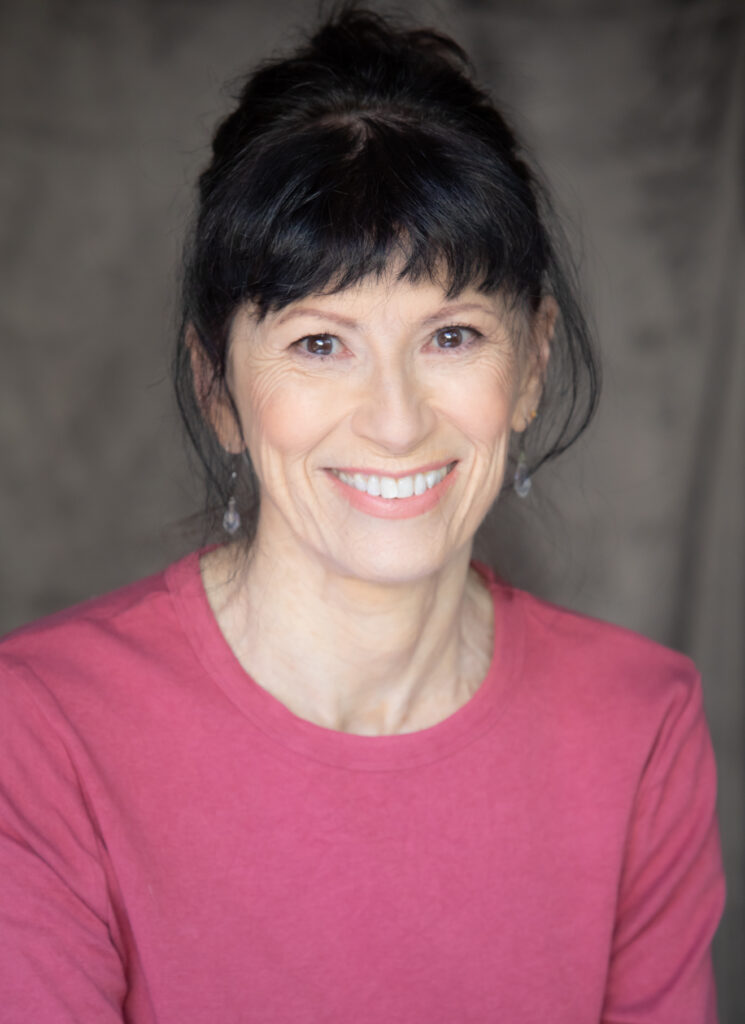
[(377, 658)]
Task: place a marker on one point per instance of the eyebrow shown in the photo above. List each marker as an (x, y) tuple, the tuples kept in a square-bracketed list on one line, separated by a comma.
[(443, 313), (456, 308), (320, 314)]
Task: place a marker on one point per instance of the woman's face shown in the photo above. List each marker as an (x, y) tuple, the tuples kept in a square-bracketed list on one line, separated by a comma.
[(378, 421)]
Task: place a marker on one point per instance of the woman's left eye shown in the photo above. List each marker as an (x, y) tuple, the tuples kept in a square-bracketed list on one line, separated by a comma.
[(455, 337)]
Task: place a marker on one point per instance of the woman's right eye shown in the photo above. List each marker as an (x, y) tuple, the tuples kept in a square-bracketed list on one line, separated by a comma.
[(319, 345)]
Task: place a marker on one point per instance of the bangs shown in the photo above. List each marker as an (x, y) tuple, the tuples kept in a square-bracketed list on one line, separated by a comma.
[(322, 208)]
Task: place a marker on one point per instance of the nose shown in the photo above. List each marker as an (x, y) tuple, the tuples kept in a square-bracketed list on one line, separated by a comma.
[(394, 411)]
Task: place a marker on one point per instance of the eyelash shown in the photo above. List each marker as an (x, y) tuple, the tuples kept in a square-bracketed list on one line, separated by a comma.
[(467, 343)]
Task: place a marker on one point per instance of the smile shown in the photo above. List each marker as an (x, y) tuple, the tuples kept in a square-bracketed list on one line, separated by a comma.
[(394, 487)]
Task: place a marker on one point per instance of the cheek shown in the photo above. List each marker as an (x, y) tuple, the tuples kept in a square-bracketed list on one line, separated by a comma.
[(488, 416), (284, 417), (483, 409)]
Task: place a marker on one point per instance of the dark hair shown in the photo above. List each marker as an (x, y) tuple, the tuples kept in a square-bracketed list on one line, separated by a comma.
[(371, 143)]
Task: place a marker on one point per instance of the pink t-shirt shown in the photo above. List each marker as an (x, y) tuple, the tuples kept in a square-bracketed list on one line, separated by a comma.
[(177, 847)]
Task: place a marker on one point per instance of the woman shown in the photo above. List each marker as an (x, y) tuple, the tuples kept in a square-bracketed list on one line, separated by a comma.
[(330, 770)]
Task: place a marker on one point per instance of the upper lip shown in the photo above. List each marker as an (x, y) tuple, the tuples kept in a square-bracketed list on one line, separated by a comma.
[(390, 473)]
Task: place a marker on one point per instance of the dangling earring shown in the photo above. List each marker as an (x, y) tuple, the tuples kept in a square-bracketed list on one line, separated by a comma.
[(521, 481), (231, 520)]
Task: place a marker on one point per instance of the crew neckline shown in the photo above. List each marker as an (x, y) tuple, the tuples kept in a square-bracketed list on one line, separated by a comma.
[(350, 750)]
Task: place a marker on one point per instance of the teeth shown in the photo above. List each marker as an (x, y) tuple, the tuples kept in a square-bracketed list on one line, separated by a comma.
[(388, 487), (392, 487), (405, 487)]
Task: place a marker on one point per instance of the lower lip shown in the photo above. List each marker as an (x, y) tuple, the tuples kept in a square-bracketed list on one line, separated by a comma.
[(395, 508)]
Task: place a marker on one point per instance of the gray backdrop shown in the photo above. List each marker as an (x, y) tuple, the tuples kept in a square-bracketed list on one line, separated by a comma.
[(635, 110)]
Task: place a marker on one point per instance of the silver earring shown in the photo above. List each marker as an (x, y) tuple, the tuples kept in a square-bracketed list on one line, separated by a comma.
[(522, 481), (231, 520)]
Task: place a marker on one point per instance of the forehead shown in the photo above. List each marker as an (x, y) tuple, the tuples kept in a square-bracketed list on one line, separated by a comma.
[(388, 297)]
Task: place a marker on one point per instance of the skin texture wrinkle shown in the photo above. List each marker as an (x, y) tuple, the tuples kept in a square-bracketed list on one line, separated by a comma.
[(388, 377)]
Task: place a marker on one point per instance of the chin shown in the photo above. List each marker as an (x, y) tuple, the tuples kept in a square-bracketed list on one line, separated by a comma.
[(394, 566)]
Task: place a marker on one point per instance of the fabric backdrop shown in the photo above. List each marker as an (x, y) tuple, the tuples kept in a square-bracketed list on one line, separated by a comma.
[(634, 109)]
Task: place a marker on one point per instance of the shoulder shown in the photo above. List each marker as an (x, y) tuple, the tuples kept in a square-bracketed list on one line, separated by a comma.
[(586, 647), (102, 645), (128, 608), (603, 690), (607, 650)]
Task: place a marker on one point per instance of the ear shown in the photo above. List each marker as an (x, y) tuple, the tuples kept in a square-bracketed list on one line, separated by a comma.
[(535, 363), (212, 396)]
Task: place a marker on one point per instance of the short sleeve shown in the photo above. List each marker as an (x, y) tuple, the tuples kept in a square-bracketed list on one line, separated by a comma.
[(672, 887), (58, 960)]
